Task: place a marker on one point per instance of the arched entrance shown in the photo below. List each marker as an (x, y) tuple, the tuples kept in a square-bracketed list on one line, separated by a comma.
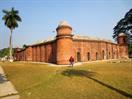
[(103, 54), (113, 55), (88, 56), (109, 56), (78, 57), (97, 56)]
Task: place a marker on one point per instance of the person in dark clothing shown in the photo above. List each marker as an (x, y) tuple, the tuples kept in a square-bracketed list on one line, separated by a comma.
[(71, 60)]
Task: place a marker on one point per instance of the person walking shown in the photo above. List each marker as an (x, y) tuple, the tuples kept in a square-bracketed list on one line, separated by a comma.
[(71, 60)]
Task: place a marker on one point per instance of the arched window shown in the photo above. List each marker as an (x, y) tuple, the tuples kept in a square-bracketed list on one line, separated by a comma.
[(88, 56), (96, 55), (103, 54), (78, 57), (113, 55), (124, 40), (109, 55)]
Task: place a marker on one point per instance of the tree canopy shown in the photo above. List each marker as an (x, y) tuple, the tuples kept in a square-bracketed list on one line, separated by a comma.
[(4, 52), (11, 18), (125, 26)]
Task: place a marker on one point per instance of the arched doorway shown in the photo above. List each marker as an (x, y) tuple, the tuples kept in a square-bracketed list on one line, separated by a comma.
[(109, 56), (97, 56), (103, 54), (78, 57), (88, 56)]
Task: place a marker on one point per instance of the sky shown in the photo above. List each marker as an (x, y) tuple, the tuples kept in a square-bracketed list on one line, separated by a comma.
[(40, 18)]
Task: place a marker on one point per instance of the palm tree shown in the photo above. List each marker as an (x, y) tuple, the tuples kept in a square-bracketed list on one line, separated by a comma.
[(11, 19)]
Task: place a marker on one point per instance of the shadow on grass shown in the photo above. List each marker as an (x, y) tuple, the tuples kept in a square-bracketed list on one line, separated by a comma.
[(74, 72), (91, 75)]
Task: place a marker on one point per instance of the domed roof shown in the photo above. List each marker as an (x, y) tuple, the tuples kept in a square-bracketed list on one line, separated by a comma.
[(63, 23), (122, 34)]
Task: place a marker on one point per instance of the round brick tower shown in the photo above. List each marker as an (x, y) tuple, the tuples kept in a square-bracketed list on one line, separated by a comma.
[(64, 43), (122, 39), (123, 47)]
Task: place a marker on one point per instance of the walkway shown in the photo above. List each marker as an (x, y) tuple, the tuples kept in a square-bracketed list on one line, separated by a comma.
[(7, 90)]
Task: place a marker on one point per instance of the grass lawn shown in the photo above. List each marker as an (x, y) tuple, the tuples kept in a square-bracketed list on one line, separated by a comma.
[(101, 80)]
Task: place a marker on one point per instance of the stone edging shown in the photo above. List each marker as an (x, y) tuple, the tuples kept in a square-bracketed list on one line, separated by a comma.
[(7, 90)]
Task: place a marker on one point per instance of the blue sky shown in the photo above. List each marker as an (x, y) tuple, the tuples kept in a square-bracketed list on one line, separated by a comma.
[(41, 17)]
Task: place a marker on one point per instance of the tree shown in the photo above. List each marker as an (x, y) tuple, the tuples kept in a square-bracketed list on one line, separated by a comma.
[(130, 50), (4, 52), (125, 26), (24, 46), (11, 19)]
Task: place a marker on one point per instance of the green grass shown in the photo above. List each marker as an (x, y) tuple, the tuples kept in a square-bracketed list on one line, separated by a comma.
[(102, 80)]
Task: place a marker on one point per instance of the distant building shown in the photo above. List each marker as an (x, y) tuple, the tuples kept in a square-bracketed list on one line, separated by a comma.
[(64, 45)]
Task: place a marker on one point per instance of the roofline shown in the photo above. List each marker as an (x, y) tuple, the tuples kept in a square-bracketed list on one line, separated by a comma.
[(51, 41), (77, 39)]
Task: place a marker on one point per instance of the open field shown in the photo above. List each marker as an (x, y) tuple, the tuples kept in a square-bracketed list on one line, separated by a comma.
[(101, 80)]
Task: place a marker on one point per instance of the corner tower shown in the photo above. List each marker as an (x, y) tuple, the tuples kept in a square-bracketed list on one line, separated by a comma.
[(64, 42), (123, 47), (122, 39)]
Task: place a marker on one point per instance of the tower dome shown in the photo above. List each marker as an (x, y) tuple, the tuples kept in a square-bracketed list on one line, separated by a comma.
[(63, 23), (122, 34), (122, 39)]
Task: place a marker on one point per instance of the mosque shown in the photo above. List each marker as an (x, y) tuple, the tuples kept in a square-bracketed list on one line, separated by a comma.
[(65, 45)]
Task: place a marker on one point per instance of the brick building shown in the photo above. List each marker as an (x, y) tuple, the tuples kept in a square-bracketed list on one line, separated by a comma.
[(66, 44)]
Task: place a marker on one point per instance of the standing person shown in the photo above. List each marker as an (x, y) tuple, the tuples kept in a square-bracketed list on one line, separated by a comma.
[(71, 60)]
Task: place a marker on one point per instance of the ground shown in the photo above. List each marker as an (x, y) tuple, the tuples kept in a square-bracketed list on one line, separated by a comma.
[(99, 80)]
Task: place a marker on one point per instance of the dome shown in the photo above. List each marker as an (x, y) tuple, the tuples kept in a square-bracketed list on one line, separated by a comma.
[(122, 34), (63, 23)]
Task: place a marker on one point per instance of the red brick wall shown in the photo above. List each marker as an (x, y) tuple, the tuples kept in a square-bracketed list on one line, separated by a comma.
[(38, 53), (54, 50), (60, 51), (33, 54), (42, 50), (124, 51), (48, 52), (98, 50), (28, 52), (114, 51)]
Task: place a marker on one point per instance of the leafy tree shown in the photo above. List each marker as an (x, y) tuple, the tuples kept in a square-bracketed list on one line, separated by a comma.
[(130, 50), (24, 46), (11, 19), (125, 26), (4, 52)]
